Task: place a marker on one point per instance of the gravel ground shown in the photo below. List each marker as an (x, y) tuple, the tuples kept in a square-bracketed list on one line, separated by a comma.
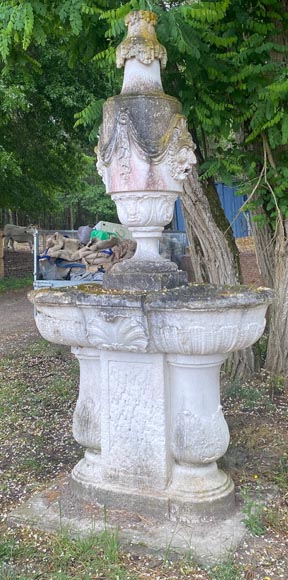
[(17, 324)]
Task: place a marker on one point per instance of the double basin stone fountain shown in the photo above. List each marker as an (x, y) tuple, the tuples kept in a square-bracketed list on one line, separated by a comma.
[(150, 345)]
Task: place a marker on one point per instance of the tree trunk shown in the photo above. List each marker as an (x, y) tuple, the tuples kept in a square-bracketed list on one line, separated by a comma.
[(265, 247), (1, 255), (214, 254), (277, 351), (265, 254), (71, 217), (272, 248)]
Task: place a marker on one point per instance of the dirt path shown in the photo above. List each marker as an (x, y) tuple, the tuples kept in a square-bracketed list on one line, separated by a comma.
[(16, 320)]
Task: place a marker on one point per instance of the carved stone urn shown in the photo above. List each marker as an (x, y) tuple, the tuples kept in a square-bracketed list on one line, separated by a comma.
[(144, 153), (150, 346)]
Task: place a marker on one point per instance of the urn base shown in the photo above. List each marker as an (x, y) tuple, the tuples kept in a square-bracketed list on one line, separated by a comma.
[(145, 279)]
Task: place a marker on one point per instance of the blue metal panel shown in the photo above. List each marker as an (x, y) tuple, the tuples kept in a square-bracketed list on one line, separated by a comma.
[(231, 203), (178, 220)]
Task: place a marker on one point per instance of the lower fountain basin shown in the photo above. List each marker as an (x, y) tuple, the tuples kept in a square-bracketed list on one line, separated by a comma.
[(193, 319)]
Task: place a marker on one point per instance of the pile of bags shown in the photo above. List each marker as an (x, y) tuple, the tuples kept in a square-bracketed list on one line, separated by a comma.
[(88, 257)]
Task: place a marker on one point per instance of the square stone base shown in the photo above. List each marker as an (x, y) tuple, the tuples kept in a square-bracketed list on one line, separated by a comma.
[(144, 281), (57, 508)]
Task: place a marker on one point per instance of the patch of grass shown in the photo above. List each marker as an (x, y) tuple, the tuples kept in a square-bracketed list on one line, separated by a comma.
[(232, 389), (254, 511), (252, 397), (281, 473), (39, 388), (6, 549), (276, 386), (228, 570), (60, 557), (7, 284)]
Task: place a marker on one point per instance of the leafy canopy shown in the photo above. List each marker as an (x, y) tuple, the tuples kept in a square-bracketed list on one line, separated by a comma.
[(227, 64)]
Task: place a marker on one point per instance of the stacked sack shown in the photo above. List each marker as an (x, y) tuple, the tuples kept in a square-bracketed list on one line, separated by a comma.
[(102, 251)]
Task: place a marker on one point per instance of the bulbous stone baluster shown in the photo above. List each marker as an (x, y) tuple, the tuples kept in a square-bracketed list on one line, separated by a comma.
[(86, 419), (200, 433)]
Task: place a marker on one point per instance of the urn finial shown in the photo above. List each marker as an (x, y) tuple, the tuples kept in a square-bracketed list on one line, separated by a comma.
[(141, 41)]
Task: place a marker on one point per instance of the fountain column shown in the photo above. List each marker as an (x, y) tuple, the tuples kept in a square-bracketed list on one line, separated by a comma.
[(87, 415), (199, 432)]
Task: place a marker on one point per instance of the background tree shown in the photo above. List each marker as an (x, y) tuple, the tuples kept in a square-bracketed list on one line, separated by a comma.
[(45, 162), (228, 66)]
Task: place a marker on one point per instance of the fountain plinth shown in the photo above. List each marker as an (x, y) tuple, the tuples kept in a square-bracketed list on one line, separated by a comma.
[(150, 346), (149, 411)]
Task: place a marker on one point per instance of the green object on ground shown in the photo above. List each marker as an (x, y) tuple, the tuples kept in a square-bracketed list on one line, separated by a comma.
[(101, 235)]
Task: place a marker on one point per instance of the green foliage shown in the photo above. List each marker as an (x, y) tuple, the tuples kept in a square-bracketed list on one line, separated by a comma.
[(68, 557), (8, 284), (227, 570), (281, 473), (250, 396), (22, 22), (226, 63), (254, 511), (91, 116), (50, 159)]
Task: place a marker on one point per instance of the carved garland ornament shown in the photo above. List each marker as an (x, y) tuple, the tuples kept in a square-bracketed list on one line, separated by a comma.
[(176, 145)]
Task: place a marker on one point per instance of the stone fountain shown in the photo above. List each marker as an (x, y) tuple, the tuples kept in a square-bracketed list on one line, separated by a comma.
[(150, 346)]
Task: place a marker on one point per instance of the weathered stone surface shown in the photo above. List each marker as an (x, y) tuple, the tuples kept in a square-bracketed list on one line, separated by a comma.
[(162, 266), (145, 281), (211, 297), (135, 442), (141, 41), (208, 542), (87, 414), (157, 356), (192, 319), (144, 145), (145, 150)]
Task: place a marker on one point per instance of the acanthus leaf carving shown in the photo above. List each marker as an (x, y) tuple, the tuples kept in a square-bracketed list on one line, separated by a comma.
[(198, 339), (141, 41), (199, 439), (117, 332)]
